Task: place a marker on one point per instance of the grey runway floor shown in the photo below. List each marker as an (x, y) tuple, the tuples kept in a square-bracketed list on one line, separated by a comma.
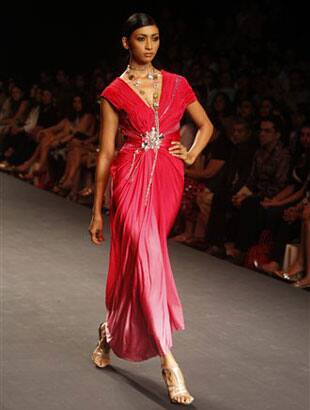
[(245, 347)]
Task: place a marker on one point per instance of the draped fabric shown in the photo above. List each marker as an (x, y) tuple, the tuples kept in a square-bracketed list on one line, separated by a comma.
[(142, 302)]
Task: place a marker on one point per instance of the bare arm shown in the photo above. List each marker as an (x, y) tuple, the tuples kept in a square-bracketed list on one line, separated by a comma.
[(19, 112), (295, 196), (204, 132), (203, 135), (85, 125), (213, 167), (107, 134), (57, 127)]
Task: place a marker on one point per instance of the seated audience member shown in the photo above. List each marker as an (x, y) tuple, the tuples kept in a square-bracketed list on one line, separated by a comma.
[(237, 173), (78, 153), (221, 112), (276, 208), (28, 135), (89, 168), (286, 230), (15, 142), (298, 92), (63, 93), (299, 270), (78, 124), (302, 144), (246, 110), (297, 120), (201, 183), (269, 175), (13, 112), (188, 133)]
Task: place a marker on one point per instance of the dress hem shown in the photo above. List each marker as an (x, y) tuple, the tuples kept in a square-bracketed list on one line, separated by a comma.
[(151, 355)]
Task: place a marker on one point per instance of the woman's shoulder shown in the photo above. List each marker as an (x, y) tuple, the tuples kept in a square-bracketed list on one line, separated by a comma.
[(173, 75), (113, 92), (114, 84)]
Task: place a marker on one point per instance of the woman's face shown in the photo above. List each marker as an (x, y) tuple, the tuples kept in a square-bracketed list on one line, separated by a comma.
[(305, 137), (246, 109), (265, 108), (143, 44), (46, 97), (219, 103), (77, 104), (16, 93), (33, 90)]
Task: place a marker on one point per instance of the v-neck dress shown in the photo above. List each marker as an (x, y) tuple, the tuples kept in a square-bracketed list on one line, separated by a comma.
[(142, 302)]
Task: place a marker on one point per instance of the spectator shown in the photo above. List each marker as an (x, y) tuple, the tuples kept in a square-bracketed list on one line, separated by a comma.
[(238, 171), (302, 262), (268, 177), (80, 123)]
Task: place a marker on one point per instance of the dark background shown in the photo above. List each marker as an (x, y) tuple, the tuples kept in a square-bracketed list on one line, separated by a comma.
[(76, 36)]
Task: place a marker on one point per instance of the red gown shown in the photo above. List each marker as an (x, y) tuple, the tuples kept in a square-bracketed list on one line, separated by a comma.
[(142, 302)]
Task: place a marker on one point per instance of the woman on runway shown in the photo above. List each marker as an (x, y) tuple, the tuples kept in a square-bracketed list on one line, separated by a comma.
[(147, 176)]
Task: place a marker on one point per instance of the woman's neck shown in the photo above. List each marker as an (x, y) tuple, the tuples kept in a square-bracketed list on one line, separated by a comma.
[(136, 66)]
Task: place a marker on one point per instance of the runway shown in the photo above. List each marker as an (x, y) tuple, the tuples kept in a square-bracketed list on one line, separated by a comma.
[(245, 347)]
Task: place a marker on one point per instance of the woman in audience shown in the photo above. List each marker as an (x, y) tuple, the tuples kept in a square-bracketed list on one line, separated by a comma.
[(79, 153), (14, 110), (200, 183), (221, 112), (246, 110), (14, 142), (79, 124), (286, 204), (302, 262)]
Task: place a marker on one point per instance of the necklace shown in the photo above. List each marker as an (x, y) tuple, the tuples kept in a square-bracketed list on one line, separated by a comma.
[(151, 75), (150, 139)]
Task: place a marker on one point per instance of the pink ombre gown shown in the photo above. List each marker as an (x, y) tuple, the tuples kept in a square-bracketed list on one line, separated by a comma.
[(143, 305)]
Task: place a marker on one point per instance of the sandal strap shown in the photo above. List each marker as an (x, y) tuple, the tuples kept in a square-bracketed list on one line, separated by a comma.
[(174, 380)]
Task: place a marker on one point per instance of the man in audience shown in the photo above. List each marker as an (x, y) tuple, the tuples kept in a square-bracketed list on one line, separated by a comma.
[(268, 176), (238, 171)]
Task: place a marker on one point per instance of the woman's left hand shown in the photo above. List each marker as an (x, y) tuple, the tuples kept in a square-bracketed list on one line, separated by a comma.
[(181, 152)]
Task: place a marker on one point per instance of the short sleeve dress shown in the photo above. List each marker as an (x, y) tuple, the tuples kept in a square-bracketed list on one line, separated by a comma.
[(142, 302)]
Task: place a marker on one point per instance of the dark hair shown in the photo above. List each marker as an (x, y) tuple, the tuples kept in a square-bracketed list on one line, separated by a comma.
[(276, 121), (241, 120), (72, 115), (136, 21), (227, 101)]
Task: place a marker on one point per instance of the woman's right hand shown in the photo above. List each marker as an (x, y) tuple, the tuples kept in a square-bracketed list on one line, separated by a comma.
[(96, 229)]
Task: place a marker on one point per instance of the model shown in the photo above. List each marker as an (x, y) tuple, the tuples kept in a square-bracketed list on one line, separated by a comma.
[(147, 176)]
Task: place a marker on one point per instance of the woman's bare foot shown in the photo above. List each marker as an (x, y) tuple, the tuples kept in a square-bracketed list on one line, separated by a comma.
[(302, 283), (66, 185), (295, 268), (182, 237), (86, 191), (270, 267), (23, 168), (26, 176)]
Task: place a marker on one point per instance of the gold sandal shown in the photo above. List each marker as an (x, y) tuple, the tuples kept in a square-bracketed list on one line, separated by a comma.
[(101, 355), (174, 380)]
